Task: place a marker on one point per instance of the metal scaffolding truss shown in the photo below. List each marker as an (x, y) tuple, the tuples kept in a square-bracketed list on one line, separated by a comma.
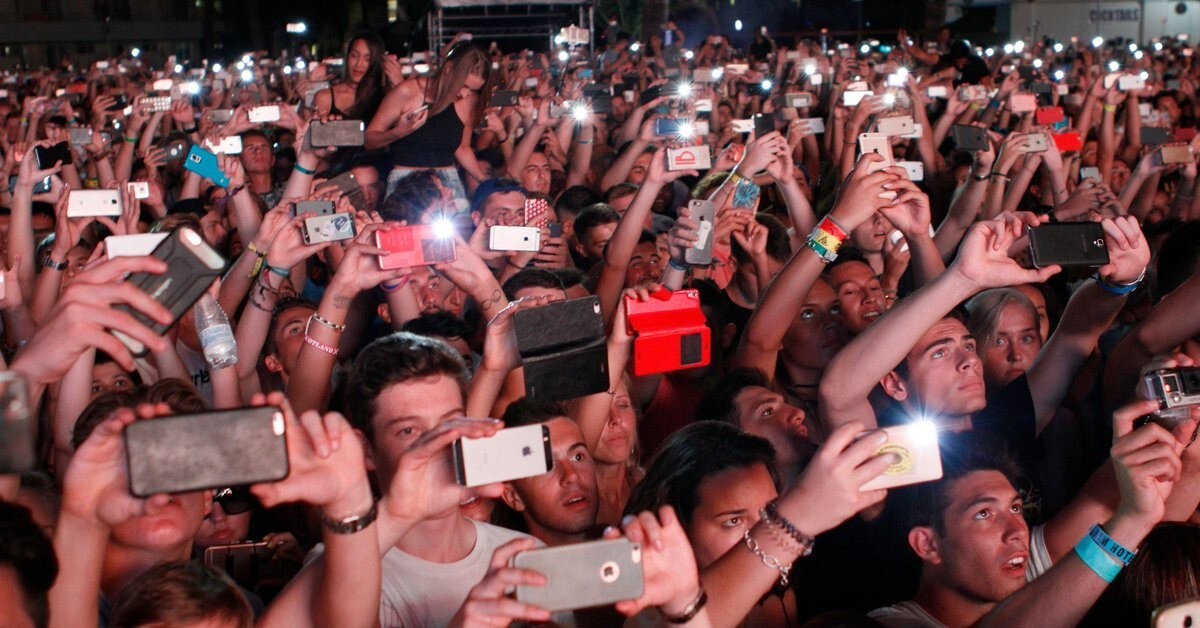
[(507, 19)]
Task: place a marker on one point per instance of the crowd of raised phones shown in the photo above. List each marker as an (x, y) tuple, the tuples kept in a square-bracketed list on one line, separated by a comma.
[(857, 335)]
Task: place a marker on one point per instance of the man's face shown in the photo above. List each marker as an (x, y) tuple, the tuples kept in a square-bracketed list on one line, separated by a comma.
[(257, 157), (563, 502), (945, 378), (367, 178), (168, 527), (637, 174), (289, 336), (593, 242), (869, 236), (1014, 346), (644, 266), (983, 553), (214, 228), (403, 412), (727, 507), (505, 209), (859, 295), (764, 413), (535, 176), (622, 203)]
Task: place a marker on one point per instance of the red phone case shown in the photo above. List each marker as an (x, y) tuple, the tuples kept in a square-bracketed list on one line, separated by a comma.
[(537, 212), (1049, 115), (671, 332), (413, 246), (1183, 134), (1068, 142)]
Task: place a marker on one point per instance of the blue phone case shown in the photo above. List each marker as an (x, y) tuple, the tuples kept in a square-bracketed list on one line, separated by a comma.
[(204, 163)]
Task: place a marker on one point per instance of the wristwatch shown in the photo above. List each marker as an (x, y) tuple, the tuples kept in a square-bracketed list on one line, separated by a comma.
[(350, 525)]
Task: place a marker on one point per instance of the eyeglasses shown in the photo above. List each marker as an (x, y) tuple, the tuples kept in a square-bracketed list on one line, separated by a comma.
[(234, 501)]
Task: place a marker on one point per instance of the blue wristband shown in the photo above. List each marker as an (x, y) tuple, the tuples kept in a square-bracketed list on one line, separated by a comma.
[(676, 265), (1114, 549), (1099, 561), (1120, 290), (302, 170), (282, 272)]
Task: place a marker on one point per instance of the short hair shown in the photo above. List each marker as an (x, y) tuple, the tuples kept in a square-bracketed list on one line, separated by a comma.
[(270, 347), (395, 359), (439, 325), (691, 455), (573, 199), (718, 402), (779, 246), (925, 504), (180, 592), (180, 395), (256, 133), (621, 190), (985, 308), (526, 411), (25, 548), (490, 187), (532, 278), (594, 216), (413, 194)]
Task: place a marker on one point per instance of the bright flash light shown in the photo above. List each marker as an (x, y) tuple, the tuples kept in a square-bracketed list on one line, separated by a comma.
[(1132, 47), (1018, 46), (1145, 76), (1037, 63), (634, 47), (580, 112), (1059, 75), (1138, 55), (178, 68), (191, 87), (924, 430), (1058, 47), (287, 69), (247, 76), (135, 53), (902, 71), (1113, 66), (563, 55), (1008, 49), (865, 49), (686, 129), (443, 228), (889, 99), (216, 67), (300, 64), (810, 69), (559, 39), (1097, 41), (990, 52), (241, 65), (767, 84), (688, 54), (297, 28), (683, 90), (1158, 46), (737, 25), (718, 73)]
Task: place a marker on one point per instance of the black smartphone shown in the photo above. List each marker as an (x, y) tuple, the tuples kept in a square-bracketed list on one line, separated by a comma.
[(970, 138), (48, 156), (763, 124), (1068, 244), (120, 101), (503, 98), (337, 133), (206, 450), (1155, 136), (602, 104), (650, 94), (192, 265)]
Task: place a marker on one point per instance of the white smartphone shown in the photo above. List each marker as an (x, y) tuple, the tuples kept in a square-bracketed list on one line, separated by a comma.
[(689, 158), (799, 99), (914, 169), (937, 91), (894, 125), (502, 238), (132, 245), (264, 113), (1089, 172), (915, 455), (816, 126), (1181, 615), (86, 203), (141, 189), (876, 143), (1130, 82), (229, 145), (852, 98), (510, 454), (162, 85)]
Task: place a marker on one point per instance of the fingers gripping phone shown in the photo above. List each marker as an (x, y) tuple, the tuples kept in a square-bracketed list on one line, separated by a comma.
[(510, 454), (915, 454), (704, 213), (1068, 244), (583, 575)]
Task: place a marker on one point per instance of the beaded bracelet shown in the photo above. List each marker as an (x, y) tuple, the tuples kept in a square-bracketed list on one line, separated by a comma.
[(328, 323)]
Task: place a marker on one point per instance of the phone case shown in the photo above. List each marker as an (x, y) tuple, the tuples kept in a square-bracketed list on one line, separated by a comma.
[(689, 158), (331, 228), (563, 349), (583, 575), (503, 98), (1022, 103), (417, 245), (1153, 135), (704, 213), (1068, 142), (315, 208), (1068, 244), (916, 456), (338, 133), (879, 144), (204, 163), (895, 125), (1049, 115), (511, 454), (80, 136), (208, 450), (799, 99), (17, 450), (264, 113), (671, 332), (47, 156), (94, 203), (192, 265), (537, 212), (763, 124), (1177, 154), (970, 138), (133, 244)]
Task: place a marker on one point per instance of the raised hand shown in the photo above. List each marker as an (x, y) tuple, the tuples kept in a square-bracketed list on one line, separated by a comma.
[(1147, 463), (672, 580), (983, 257), (829, 491), (1128, 251), (488, 606)]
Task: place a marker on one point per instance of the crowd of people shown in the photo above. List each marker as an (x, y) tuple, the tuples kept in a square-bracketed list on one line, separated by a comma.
[(860, 249)]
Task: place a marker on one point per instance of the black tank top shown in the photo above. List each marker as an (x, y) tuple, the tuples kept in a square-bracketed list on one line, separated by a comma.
[(432, 145)]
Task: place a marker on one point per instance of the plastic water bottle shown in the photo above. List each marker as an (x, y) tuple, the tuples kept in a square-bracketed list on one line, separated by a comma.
[(216, 336)]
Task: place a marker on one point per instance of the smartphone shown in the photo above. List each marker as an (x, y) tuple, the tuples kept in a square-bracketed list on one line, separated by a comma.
[(665, 127), (582, 575), (1038, 143), (337, 133), (510, 454), (48, 156), (18, 450), (332, 228), (204, 163), (132, 245), (311, 93), (94, 203), (192, 265), (763, 124), (1176, 154), (1049, 115), (798, 100), (175, 150), (671, 332), (914, 169), (162, 85), (852, 98), (40, 187), (816, 126), (417, 245), (156, 104), (80, 135), (1130, 83), (1089, 172), (537, 212), (1180, 615), (248, 563), (937, 91), (970, 138), (704, 213), (1153, 135), (894, 125), (503, 98), (314, 208), (120, 101), (207, 450), (915, 454), (1022, 103), (879, 144), (220, 116), (229, 145), (264, 113), (140, 189), (1068, 244), (702, 75), (689, 158), (503, 238)]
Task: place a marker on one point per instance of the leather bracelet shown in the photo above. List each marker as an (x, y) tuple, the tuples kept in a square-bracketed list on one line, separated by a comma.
[(689, 612), (350, 525)]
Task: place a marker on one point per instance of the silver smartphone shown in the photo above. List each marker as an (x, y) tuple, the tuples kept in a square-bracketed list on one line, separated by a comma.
[(503, 238), (94, 203), (703, 212), (583, 575), (509, 454)]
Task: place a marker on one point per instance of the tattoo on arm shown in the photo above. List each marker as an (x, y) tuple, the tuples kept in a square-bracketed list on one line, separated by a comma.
[(487, 304), (342, 302)]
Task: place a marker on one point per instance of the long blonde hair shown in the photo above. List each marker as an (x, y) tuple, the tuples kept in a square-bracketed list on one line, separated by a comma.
[(461, 60)]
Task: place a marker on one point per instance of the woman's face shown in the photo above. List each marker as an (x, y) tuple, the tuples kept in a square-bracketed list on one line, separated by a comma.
[(108, 377), (1038, 300), (220, 528), (617, 437), (813, 338), (1012, 348), (358, 61), (728, 505)]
